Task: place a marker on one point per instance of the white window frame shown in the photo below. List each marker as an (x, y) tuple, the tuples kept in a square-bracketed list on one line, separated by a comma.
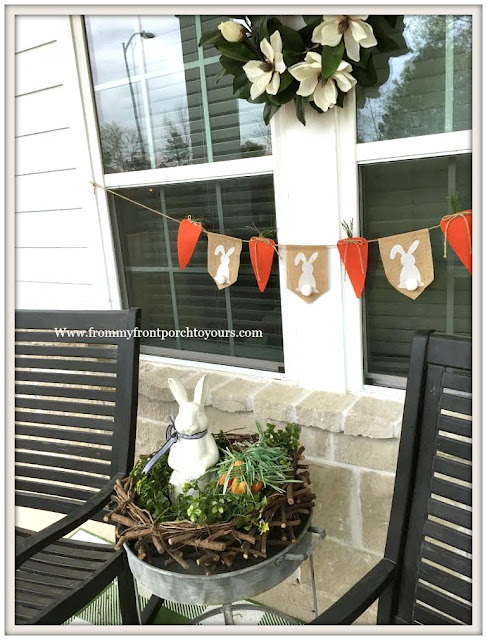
[(322, 342)]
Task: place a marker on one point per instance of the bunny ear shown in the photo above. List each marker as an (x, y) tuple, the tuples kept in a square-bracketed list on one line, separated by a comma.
[(178, 391), (413, 247), (395, 250), (219, 249), (201, 391), (313, 257), (230, 251), (300, 257)]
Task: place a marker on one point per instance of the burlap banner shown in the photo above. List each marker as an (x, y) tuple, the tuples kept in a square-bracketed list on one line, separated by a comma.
[(408, 261), (223, 259), (307, 272)]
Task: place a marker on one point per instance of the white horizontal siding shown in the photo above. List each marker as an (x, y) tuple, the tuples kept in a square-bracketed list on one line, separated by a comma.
[(49, 295), (59, 254), (31, 226), (41, 111)]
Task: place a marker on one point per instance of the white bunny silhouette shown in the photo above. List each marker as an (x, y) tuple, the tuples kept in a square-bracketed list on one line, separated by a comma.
[(191, 458), (409, 278), (223, 272), (307, 283)]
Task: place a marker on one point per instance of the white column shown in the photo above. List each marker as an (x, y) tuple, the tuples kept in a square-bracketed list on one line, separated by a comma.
[(307, 184)]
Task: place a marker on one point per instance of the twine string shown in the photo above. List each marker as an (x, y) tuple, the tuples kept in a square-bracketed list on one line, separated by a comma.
[(356, 242), (165, 215), (449, 219)]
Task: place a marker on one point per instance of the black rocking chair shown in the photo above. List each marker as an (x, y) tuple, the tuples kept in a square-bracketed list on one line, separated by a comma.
[(75, 413), (425, 575)]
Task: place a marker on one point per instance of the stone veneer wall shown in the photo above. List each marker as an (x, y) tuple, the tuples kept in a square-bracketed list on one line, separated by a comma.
[(351, 445)]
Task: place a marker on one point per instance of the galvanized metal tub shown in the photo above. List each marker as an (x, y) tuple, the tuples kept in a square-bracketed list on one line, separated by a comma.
[(188, 587)]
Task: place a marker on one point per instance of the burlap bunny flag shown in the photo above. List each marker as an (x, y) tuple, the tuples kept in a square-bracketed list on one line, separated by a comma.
[(408, 261), (223, 259), (306, 268)]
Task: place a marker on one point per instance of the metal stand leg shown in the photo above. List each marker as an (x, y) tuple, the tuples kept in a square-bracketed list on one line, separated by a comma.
[(313, 585), (137, 602), (228, 614)]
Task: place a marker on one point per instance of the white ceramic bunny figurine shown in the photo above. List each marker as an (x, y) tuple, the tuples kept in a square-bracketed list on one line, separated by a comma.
[(307, 283), (223, 271), (191, 455), (409, 278)]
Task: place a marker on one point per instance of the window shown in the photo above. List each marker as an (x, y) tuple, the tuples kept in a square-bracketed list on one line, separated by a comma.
[(158, 97), (161, 105), (428, 92), (429, 86)]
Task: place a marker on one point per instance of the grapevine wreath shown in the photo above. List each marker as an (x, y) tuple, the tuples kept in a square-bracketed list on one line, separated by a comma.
[(255, 504)]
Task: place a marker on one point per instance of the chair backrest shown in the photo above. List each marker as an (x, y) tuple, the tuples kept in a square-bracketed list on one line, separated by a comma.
[(75, 404), (430, 535)]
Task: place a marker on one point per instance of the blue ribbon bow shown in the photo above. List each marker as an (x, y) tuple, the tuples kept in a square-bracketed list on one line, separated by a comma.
[(172, 436)]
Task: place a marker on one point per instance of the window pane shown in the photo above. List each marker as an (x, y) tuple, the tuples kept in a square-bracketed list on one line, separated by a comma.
[(399, 197), (175, 299), (157, 97), (429, 89)]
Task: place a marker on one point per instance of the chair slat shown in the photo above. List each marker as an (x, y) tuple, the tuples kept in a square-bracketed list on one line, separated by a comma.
[(46, 488), (52, 559), (457, 381), (454, 538), (452, 491), (49, 351), (60, 475), (441, 602), (53, 582), (450, 513), (49, 320), (456, 448), (33, 600), (453, 468), (51, 503), (458, 404), (65, 392), (72, 435), (60, 571), (96, 453), (65, 420), (33, 587), (54, 404), (455, 425), (68, 377), (445, 581), (79, 364), (39, 335), (94, 466), (444, 557), (427, 616)]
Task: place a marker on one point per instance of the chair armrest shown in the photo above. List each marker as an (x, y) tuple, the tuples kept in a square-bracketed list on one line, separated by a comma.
[(359, 598), (53, 532)]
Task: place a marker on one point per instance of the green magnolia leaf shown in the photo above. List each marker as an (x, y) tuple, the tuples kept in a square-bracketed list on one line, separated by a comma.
[(259, 28), (313, 21), (285, 81), (291, 39), (231, 66), (382, 30), (392, 20), (292, 57), (300, 108), (269, 112), (366, 77), (222, 73), (241, 86), (315, 107), (331, 58), (340, 98), (210, 37), (236, 51), (288, 94)]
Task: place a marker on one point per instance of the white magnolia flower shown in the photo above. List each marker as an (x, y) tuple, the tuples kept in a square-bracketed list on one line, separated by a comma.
[(324, 92), (353, 29), (265, 76), (232, 31)]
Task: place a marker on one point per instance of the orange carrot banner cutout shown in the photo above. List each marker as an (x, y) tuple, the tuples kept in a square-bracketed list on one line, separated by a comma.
[(354, 254), (188, 234), (261, 255), (457, 229)]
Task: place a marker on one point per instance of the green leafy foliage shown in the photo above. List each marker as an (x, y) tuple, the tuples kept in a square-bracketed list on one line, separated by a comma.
[(266, 459), (331, 58), (236, 51)]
